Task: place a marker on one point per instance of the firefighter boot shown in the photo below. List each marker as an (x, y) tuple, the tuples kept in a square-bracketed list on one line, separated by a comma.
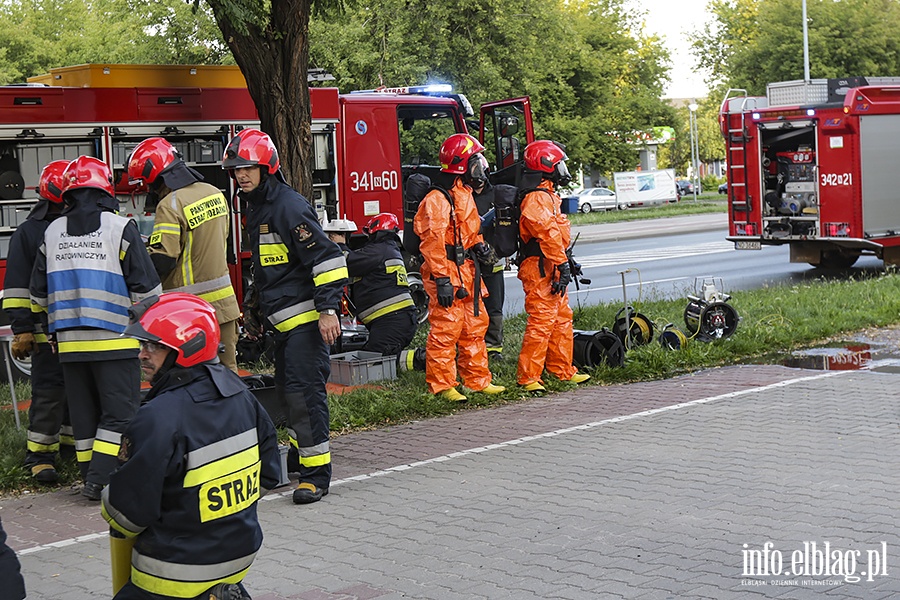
[(579, 377), (225, 591), (44, 473), (307, 493), (534, 386), (452, 395), (91, 490), (493, 389)]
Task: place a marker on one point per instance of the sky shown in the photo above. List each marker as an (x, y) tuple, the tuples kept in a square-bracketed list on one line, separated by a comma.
[(672, 20)]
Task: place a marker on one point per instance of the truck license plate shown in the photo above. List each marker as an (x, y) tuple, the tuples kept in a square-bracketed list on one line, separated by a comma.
[(747, 245)]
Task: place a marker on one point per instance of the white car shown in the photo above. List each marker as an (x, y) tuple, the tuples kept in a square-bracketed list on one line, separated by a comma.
[(590, 199)]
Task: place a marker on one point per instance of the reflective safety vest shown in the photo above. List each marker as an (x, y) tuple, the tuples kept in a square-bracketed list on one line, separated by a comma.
[(193, 464), (87, 296), (192, 226)]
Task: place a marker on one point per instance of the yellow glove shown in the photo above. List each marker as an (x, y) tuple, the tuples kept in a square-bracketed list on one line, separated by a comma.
[(23, 346)]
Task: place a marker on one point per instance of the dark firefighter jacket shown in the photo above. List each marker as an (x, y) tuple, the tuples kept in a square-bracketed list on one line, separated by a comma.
[(23, 247), (378, 275), (91, 268), (297, 270), (193, 462)]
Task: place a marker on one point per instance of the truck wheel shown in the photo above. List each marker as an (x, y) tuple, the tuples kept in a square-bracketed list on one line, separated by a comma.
[(837, 259), (586, 207), (21, 369)]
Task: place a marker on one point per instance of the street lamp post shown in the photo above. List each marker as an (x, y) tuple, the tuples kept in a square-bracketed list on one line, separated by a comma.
[(695, 147)]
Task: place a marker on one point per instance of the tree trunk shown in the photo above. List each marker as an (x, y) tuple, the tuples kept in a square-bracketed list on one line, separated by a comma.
[(274, 62)]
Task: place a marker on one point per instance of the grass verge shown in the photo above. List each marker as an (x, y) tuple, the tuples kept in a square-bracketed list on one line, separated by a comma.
[(773, 320), (709, 203)]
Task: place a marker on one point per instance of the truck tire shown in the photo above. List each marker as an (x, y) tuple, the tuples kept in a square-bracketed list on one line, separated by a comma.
[(21, 369)]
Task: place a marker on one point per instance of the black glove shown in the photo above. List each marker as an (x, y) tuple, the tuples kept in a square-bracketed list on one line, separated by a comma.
[(444, 291), (485, 254), (565, 278)]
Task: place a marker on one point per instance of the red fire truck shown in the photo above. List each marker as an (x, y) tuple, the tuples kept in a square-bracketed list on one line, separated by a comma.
[(814, 165), (365, 144)]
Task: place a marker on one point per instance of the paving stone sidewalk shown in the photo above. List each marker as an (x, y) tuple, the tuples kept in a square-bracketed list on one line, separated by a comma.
[(648, 490)]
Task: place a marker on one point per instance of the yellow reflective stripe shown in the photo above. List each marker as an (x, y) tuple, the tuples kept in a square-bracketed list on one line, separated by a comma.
[(316, 461), (99, 345), (288, 324), (330, 276), (187, 268), (83, 456), (410, 356), (221, 467), (102, 447), (37, 447), (272, 254), (179, 589), (17, 303), (37, 308), (167, 228), (230, 494), (217, 295), (389, 309), (114, 524), (121, 255), (66, 439)]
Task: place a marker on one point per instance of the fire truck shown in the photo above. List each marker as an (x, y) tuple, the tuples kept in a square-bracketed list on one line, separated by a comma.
[(813, 165), (365, 144)]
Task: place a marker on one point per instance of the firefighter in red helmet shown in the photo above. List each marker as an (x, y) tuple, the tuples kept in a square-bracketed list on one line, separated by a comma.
[(379, 289), (448, 225), (49, 430), (194, 461), (91, 268), (545, 273), (300, 276), (190, 233)]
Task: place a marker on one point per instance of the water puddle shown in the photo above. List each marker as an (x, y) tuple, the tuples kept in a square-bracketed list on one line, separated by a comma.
[(846, 356)]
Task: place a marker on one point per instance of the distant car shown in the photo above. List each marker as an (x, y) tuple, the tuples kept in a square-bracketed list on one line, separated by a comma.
[(591, 199), (723, 188), (684, 187)]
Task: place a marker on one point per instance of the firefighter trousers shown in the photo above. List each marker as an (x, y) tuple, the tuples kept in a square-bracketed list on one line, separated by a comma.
[(48, 418), (547, 343), (228, 356), (391, 333), (456, 336), (11, 581), (132, 592), (302, 367), (493, 304), (103, 397)]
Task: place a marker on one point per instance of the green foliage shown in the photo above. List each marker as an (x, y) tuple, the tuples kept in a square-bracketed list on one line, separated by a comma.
[(592, 78), (754, 42), (37, 35)]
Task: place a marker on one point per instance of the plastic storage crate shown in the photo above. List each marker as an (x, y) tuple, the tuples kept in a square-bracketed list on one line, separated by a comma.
[(354, 368), (33, 157), (203, 151)]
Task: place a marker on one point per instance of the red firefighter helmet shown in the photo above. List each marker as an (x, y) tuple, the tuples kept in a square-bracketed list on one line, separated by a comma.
[(251, 147), (88, 172), (149, 159), (382, 222), (52, 184), (543, 155), (548, 157), (456, 152), (183, 322)]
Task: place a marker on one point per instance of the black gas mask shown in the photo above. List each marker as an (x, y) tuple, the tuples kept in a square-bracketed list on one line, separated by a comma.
[(476, 174), (560, 176)]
